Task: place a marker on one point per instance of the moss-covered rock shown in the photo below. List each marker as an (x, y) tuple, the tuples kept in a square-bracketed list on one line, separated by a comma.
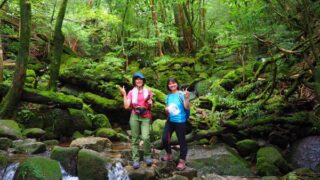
[(158, 95), (77, 135), (100, 121), (247, 146), (301, 173), (158, 111), (38, 168), (33, 132), (10, 129), (3, 160), (5, 143), (271, 162), (157, 128), (80, 120), (111, 134), (56, 122), (219, 159), (95, 143), (29, 146), (52, 142), (67, 156), (92, 165)]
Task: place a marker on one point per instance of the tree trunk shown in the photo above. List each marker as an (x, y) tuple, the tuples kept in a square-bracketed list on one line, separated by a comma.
[(1, 58), (156, 28), (169, 40), (202, 20), (13, 96), (58, 40), (3, 3)]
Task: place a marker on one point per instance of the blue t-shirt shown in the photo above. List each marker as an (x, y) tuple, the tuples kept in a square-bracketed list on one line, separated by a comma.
[(175, 106)]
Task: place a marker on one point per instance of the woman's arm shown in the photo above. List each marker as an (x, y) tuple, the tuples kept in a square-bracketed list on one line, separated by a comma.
[(126, 102), (186, 103)]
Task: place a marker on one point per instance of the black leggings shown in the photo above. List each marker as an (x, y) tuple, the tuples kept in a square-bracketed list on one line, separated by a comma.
[(180, 129)]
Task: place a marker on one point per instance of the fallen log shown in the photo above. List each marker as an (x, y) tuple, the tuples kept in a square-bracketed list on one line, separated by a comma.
[(54, 99)]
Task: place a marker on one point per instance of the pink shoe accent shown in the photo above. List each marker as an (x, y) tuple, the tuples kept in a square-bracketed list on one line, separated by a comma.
[(181, 165), (167, 157)]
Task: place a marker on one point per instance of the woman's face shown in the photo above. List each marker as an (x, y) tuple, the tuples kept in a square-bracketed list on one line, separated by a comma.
[(173, 86), (139, 82)]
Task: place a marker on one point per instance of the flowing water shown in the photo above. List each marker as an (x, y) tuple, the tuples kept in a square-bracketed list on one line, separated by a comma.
[(117, 172), (8, 172)]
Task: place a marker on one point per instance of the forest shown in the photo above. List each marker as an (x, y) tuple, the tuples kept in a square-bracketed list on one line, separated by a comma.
[(251, 68)]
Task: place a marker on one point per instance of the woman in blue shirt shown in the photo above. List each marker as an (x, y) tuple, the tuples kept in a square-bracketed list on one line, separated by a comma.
[(176, 105)]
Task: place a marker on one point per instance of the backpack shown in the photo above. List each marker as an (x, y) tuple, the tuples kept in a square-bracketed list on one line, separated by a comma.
[(187, 111)]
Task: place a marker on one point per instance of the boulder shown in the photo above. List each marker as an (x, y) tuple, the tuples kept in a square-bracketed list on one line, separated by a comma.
[(219, 159), (271, 162), (101, 121), (111, 134), (247, 146), (92, 165), (38, 168), (306, 153), (80, 120), (94, 143), (29, 146), (10, 129), (67, 156), (301, 173), (33, 132)]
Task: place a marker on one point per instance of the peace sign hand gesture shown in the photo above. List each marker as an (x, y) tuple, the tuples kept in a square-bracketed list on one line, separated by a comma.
[(122, 90)]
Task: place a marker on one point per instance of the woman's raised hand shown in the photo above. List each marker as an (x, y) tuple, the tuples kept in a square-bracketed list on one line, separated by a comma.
[(122, 90), (186, 93)]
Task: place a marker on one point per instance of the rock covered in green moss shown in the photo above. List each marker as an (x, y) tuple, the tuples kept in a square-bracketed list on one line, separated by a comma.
[(95, 143), (111, 134), (301, 173), (92, 165), (51, 142), (77, 135), (10, 129), (33, 132), (56, 122), (158, 111), (100, 121), (5, 143), (157, 128), (38, 168), (247, 146), (80, 120), (4, 159), (67, 156), (29, 146), (158, 95), (271, 162), (219, 159)]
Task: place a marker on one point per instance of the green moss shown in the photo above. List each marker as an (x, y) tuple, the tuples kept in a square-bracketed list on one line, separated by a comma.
[(243, 91), (56, 96), (67, 157), (106, 103), (111, 134), (3, 160), (5, 143), (270, 162), (10, 129), (33, 132), (77, 135), (158, 95), (30, 73), (92, 165), (101, 121), (247, 146), (80, 120), (38, 168)]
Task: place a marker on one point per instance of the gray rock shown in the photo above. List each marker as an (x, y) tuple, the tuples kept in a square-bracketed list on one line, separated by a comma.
[(5, 143), (219, 159), (29, 146), (95, 143), (306, 153)]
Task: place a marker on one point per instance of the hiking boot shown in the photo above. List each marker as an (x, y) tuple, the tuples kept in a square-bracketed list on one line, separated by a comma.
[(148, 161), (136, 165), (167, 157), (181, 165)]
